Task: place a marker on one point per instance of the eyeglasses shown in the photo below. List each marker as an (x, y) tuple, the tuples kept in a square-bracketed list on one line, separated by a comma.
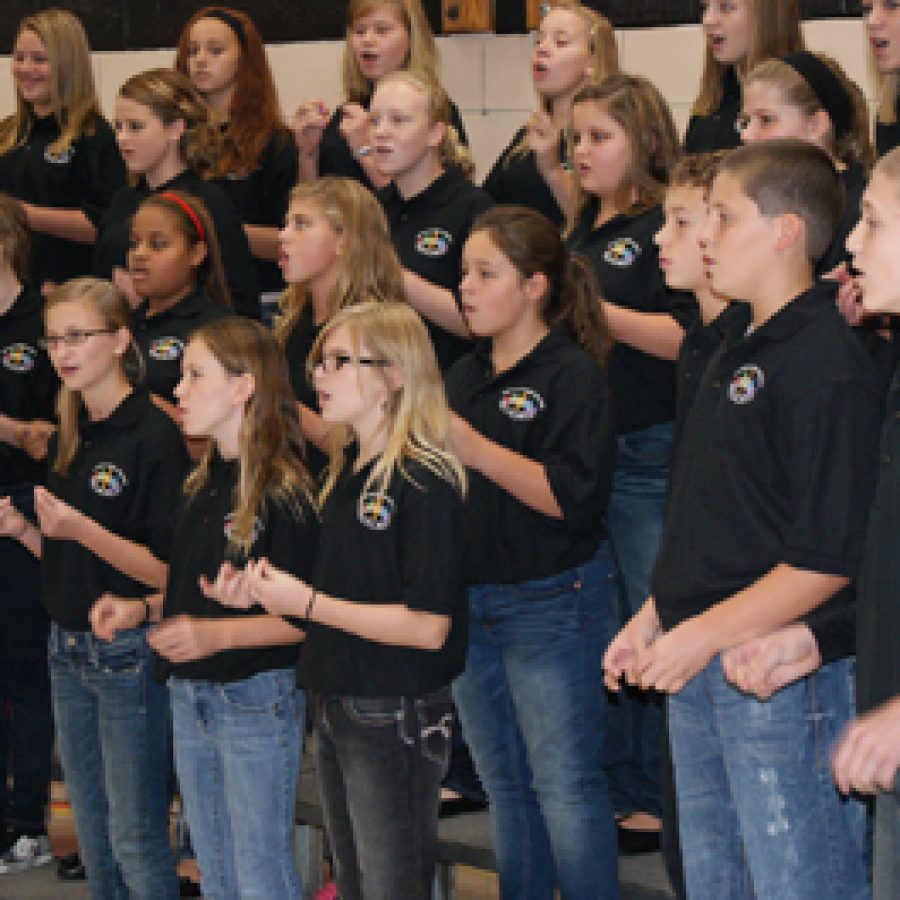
[(75, 337), (334, 362)]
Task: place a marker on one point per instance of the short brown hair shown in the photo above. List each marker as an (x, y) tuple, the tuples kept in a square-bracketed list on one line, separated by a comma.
[(791, 176), (697, 170)]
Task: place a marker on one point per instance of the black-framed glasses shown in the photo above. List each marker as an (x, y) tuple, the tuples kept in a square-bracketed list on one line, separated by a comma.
[(74, 337), (334, 362)]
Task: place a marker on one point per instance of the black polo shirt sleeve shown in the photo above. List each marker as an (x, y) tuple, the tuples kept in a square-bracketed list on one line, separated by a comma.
[(100, 170), (159, 495), (822, 447), (833, 625)]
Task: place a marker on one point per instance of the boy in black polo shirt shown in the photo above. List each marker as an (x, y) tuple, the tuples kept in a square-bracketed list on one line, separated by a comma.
[(765, 523)]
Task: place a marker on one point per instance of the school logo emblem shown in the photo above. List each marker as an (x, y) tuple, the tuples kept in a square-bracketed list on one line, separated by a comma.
[(19, 358), (622, 252), (258, 528), (59, 159), (166, 349), (521, 404), (746, 383), (375, 511), (108, 480), (433, 242)]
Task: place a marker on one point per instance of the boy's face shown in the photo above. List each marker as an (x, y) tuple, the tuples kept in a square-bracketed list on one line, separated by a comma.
[(874, 244), (679, 240), (740, 241)]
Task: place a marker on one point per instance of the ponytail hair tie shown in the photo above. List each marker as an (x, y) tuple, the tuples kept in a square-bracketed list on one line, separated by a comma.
[(186, 209)]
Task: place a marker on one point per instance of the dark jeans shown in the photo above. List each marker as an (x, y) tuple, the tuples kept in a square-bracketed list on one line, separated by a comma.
[(380, 762), (26, 727)]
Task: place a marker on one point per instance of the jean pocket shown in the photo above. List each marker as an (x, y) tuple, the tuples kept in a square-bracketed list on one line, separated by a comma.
[(435, 716), (257, 694), (374, 712), (123, 656)]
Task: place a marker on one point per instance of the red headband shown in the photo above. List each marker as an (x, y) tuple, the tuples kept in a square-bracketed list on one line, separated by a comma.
[(195, 219)]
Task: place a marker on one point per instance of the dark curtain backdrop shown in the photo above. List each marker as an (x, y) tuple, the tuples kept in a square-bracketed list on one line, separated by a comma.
[(139, 24)]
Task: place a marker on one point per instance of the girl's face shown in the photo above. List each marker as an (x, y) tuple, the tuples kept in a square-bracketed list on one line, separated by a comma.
[(726, 24), (309, 247), (402, 132), (210, 399), (496, 299), (874, 244), (351, 386), (161, 262), (85, 352), (214, 54), (765, 115), (680, 238), (380, 42), (562, 60), (145, 141), (882, 18), (31, 70), (602, 150)]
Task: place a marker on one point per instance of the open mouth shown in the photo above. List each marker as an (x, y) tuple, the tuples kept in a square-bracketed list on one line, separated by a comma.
[(367, 57), (539, 69), (138, 273), (879, 45), (708, 261), (717, 42)]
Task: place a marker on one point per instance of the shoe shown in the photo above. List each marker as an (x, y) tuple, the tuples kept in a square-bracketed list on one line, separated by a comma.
[(329, 892), (187, 887), (457, 806), (70, 868), (28, 852), (633, 842)]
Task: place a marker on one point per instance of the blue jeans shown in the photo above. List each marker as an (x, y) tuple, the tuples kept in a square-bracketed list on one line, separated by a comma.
[(634, 519), (532, 705), (112, 733), (759, 813), (380, 763), (237, 755)]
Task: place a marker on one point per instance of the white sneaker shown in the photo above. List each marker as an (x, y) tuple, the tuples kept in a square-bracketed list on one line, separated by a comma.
[(26, 853)]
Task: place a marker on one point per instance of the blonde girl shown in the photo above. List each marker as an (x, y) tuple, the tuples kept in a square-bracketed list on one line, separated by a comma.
[(882, 20), (104, 530), (383, 36), (170, 141), (573, 45), (57, 152), (385, 609), (739, 35), (431, 202), (237, 715)]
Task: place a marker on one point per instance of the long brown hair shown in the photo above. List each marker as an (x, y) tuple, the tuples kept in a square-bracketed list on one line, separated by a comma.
[(171, 97), (774, 31), (531, 243), (255, 111), (369, 268), (270, 452), (111, 306), (73, 96), (14, 241)]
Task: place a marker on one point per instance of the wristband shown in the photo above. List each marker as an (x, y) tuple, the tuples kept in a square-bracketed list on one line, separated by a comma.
[(148, 612), (310, 605), (363, 152)]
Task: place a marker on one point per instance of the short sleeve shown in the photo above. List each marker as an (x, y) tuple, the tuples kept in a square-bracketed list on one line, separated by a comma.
[(277, 178), (101, 171), (833, 625), (290, 539)]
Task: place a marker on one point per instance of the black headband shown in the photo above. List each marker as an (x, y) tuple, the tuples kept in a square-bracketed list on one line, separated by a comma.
[(231, 21), (825, 85)]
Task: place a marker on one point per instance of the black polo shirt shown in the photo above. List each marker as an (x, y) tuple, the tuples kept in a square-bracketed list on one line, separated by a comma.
[(515, 179), (402, 546), (717, 131), (163, 336), (240, 271), (775, 460), (428, 232), (201, 546), (127, 475), (336, 157), (553, 407), (853, 178), (85, 177), (626, 262), (28, 384), (261, 196), (878, 638)]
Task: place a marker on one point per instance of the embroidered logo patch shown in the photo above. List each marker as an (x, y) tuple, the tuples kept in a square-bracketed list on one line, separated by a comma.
[(375, 511), (59, 159), (521, 404), (19, 358), (108, 480), (258, 528), (622, 252), (166, 349), (433, 242), (746, 383)]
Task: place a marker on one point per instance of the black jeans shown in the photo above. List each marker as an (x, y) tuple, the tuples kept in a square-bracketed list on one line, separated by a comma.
[(380, 762)]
